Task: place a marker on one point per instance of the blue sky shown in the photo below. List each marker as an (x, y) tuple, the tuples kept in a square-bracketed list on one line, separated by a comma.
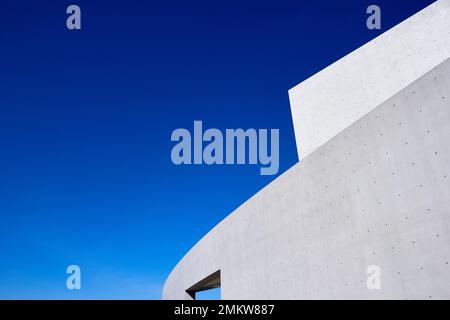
[(86, 116)]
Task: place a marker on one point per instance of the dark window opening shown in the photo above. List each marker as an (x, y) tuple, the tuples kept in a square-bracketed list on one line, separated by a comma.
[(206, 289)]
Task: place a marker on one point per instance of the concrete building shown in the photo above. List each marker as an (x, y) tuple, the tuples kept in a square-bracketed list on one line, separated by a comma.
[(372, 187)]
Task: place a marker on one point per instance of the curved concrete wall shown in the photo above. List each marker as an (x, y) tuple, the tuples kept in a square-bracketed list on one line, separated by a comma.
[(377, 193)]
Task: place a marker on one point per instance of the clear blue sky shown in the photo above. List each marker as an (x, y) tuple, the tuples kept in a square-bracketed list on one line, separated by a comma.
[(86, 116)]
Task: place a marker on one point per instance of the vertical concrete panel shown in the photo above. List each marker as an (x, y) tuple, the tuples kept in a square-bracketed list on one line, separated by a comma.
[(330, 101)]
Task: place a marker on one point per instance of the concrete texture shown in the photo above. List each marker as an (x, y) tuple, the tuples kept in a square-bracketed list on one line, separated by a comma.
[(376, 193), (325, 104)]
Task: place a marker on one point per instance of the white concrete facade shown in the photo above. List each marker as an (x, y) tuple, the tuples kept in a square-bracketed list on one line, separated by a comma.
[(373, 189), (330, 101)]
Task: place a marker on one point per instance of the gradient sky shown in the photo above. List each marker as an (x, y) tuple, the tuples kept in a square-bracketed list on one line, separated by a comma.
[(86, 176)]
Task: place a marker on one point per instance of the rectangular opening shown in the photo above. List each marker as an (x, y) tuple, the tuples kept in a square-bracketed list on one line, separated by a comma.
[(206, 289), (209, 294)]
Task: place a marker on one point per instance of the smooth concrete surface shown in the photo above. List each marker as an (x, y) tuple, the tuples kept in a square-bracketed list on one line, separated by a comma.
[(372, 188), (330, 101), (378, 193)]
